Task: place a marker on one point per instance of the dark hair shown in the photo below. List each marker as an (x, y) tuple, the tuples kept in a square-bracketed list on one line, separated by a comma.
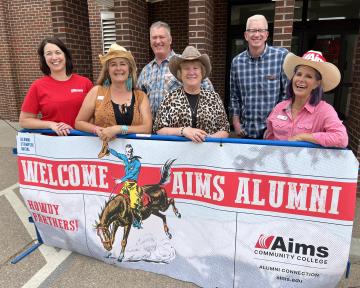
[(316, 94), (56, 41)]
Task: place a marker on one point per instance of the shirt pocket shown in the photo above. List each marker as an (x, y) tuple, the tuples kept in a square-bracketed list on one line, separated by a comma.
[(304, 127), (281, 127)]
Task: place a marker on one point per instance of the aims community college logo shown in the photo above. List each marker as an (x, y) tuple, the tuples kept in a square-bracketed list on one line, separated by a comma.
[(264, 242), (279, 247)]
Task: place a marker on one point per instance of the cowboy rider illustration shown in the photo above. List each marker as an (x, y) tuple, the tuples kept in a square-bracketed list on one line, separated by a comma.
[(130, 187)]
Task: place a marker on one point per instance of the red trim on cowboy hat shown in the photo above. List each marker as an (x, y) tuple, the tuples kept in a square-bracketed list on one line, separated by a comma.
[(329, 72)]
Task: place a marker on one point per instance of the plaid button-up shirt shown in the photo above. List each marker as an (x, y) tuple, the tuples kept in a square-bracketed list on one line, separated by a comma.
[(256, 86), (156, 80)]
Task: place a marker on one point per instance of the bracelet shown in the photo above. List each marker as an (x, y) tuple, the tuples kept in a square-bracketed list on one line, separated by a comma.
[(124, 129), (182, 131)]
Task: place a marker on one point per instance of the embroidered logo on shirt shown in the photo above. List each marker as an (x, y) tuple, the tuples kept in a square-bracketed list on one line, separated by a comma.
[(282, 117), (270, 77), (76, 90)]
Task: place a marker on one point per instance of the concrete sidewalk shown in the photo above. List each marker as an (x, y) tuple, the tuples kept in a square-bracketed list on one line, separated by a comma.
[(49, 267)]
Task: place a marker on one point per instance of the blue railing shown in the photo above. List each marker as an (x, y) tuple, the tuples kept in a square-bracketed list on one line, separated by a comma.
[(179, 138)]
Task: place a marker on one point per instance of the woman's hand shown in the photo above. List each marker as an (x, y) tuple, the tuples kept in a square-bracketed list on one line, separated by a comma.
[(60, 128), (308, 137), (107, 134), (194, 134)]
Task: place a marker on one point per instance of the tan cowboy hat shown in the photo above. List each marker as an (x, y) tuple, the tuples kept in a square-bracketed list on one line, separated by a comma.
[(329, 72), (117, 51), (190, 53)]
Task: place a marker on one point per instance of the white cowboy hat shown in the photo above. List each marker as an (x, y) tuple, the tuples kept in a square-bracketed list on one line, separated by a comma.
[(329, 72), (190, 53), (117, 51)]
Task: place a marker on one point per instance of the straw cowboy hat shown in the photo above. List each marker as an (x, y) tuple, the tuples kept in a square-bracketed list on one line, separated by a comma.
[(190, 53), (116, 51), (329, 72)]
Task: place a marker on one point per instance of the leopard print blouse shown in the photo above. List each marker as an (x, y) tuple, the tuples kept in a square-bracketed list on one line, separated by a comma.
[(175, 111)]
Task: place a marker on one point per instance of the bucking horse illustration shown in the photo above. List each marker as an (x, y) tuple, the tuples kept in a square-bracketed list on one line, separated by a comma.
[(117, 212)]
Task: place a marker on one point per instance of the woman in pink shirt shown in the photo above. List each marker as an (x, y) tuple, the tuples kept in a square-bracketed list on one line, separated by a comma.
[(304, 116)]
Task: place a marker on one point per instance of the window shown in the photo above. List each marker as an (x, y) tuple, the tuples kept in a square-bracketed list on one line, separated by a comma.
[(333, 9), (108, 30), (240, 13)]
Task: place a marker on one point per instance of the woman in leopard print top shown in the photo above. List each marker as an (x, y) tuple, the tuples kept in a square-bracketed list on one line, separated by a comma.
[(191, 111)]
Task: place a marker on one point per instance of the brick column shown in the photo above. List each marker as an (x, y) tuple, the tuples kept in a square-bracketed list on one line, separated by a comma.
[(353, 122), (283, 24), (201, 25), (70, 21), (8, 87), (94, 10), (218, 76), (132, 29), (23, 24)]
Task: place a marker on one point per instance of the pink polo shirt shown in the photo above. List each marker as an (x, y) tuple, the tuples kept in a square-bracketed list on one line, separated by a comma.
[(320, 120)]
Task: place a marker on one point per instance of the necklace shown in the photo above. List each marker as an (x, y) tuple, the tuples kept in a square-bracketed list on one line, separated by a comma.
[(193, 100)]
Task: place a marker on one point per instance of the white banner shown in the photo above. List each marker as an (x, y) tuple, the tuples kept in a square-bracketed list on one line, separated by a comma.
[(231, 215)]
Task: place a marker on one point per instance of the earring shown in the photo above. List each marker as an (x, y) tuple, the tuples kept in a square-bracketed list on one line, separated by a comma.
[(107, 82), (129, 83)]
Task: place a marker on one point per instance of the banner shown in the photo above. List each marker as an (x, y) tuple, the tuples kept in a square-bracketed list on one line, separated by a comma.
[(215, 214)]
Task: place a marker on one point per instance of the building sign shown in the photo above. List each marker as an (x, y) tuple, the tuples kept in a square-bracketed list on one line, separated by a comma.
[(217, 215)]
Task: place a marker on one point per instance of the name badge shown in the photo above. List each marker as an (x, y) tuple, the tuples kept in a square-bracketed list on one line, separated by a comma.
[(282, 117), (76, 90), (100, 97)]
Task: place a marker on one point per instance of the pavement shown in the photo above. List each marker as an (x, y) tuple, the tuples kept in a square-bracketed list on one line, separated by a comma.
[(51, 267)]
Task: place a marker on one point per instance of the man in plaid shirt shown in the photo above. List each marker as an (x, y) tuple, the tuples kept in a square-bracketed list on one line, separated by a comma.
[(155, 78), (257, 81)]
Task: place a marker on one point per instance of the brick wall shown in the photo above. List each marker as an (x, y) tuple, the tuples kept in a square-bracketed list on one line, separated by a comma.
[(132, 29), (283, 23), (201, 25), (218, 75), (94, 11), (23, 26), (176, 14), (353, 122), (8, 87), (70, 22)]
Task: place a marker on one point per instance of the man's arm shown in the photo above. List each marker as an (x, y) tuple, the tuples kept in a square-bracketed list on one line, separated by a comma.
[(235, 100), (118, 155), (141, 81), (283, 81)]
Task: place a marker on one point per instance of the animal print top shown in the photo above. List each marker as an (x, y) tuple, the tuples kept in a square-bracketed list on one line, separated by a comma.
[(175, 111)]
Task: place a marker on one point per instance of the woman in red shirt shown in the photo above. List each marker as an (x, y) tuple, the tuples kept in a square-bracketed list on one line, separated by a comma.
[(58, 95)]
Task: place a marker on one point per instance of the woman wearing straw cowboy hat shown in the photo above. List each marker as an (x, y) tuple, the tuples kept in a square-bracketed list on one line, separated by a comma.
[(304, 116), (113, 106), (191, 111)]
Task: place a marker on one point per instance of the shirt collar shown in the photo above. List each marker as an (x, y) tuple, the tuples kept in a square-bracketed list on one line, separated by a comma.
[(167, 59), (310, 108), (261, 55)]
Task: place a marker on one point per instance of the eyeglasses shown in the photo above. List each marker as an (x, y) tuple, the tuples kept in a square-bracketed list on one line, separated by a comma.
[(253, 31)]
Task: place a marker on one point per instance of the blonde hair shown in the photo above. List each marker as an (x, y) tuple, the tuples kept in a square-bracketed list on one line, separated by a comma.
[(104, 73), (257, 17)]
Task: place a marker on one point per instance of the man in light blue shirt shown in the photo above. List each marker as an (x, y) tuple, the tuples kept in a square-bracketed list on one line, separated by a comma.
[(155, 78)]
